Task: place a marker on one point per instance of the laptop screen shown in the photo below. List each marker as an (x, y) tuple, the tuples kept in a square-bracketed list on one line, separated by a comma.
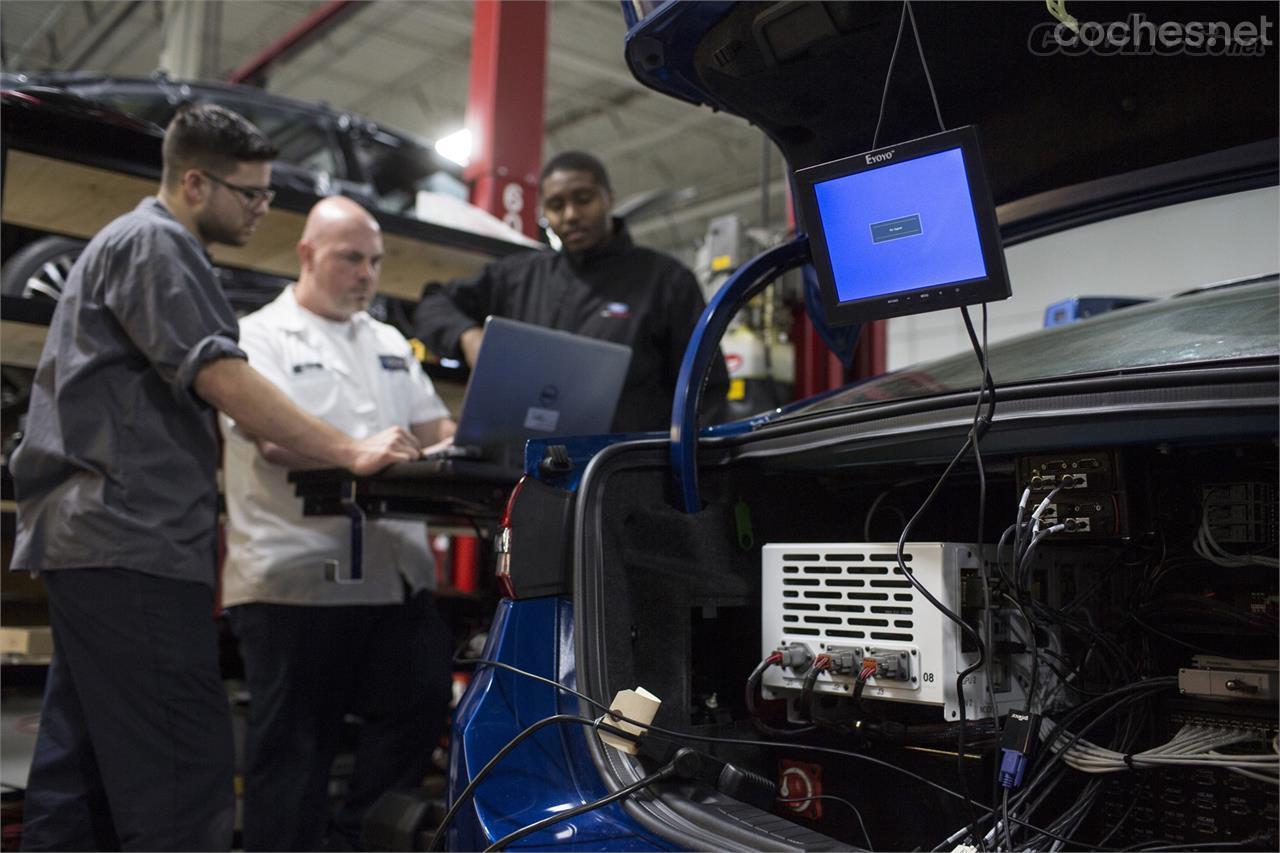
[(533, 382)]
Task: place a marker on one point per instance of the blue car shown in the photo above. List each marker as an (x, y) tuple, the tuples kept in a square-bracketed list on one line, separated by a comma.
[(1024, 598)]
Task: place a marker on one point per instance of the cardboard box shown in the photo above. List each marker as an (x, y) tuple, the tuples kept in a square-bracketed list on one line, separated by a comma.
[(32, 642)]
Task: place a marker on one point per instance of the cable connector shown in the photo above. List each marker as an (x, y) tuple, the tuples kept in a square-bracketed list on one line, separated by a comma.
[(1017, 742), (794, 656), (842, 661)]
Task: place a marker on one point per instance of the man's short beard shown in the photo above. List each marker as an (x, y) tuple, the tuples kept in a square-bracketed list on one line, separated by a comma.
[(213, 231)]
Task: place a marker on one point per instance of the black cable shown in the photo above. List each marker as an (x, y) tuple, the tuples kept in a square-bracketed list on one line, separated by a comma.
[(859, 685), (1004, 537), (1035, 651), (806, 691), (1056, 756), (970, 441), (980, 349), (974, 434), (915, 30), (497, 664), (667, 734), (1039, 776), (463, 797), (1092, 634), (1064, 725), (1124, 741), (866, 835), (752, 681), (680, 737), (1024, 564), (945, 611), (1064, 677), (888, 75), (505, 841), (986, 655), (1008, 834)]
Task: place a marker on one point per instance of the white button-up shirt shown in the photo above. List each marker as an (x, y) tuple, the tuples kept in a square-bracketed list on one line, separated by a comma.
[(360, 376)]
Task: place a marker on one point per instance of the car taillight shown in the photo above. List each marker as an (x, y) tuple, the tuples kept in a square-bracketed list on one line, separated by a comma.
[(20, 96), (502, 544)]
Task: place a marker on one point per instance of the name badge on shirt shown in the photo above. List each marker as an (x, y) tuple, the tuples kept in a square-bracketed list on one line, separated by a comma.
[(393, 362), (307, 367)]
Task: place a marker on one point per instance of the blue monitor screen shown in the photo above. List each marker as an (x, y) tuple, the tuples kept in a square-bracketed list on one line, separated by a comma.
[(901, 227)]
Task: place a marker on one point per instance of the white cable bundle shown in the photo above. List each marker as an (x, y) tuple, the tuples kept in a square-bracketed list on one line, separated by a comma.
[(1192, 746), (1206, 546)]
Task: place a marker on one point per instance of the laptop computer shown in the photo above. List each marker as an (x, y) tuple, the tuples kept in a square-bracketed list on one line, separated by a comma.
[(533, 382)]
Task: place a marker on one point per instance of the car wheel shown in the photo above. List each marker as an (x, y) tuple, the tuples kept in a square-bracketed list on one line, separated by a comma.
[(39, 270)]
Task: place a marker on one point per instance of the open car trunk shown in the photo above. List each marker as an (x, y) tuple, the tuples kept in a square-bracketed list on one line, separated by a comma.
[(675, 602)]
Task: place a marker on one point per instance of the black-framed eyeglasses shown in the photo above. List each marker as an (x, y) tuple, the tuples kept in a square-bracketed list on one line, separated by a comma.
[(252, 195)]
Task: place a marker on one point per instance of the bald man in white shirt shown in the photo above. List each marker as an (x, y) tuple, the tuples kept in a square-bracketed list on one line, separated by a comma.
[(315, 650)]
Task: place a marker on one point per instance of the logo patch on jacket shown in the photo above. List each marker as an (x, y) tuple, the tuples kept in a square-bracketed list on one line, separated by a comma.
[(307, 367), (616, 309), (393, 362)]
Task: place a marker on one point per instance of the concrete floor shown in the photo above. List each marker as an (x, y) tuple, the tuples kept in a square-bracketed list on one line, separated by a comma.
[(19, 717)]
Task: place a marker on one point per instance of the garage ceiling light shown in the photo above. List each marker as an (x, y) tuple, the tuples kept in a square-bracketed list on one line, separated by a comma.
[(456, 147)]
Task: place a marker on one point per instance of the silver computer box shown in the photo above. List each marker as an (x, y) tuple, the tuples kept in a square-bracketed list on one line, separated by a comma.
[(836, 597)]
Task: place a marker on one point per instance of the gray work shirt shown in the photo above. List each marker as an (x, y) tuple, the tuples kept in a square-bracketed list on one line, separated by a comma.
[(117, 466)]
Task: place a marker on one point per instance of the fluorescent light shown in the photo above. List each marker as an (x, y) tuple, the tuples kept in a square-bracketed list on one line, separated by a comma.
[(456, 147)]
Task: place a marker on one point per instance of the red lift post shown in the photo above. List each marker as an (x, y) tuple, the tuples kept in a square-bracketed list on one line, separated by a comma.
[(504, 109), (504, 114)]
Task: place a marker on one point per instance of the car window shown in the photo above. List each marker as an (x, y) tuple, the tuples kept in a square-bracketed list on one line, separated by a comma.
[(398, 167), (303, 138), (1218, 324)]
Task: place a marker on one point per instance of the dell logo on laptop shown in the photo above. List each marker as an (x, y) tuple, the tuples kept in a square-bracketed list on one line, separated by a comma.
[(880, 158)]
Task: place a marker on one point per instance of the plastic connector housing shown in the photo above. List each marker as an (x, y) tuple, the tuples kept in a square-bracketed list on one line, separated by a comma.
[(842, 660), (795, 656), (888, 664), (1021, 732)]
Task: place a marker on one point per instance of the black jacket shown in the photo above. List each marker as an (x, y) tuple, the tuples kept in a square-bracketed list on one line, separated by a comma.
[(617, 292)]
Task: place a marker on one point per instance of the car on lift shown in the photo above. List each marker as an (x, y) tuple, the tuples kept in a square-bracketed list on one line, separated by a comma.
[(118, 122), (694, 565)]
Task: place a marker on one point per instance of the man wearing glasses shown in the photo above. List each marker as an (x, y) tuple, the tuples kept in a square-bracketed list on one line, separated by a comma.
[(600, 285), (117, 504)]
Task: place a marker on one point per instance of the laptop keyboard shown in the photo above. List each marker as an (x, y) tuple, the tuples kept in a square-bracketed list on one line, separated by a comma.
[(454, 451)]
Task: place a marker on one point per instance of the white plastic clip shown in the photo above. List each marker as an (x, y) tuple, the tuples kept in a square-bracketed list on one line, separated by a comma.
[(639, 705)]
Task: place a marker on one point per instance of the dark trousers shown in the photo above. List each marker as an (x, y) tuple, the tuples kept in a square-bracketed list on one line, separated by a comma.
[(309, 666), (134, 750)]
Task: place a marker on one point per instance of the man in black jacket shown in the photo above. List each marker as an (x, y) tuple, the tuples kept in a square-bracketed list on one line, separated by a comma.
[(600, 285)]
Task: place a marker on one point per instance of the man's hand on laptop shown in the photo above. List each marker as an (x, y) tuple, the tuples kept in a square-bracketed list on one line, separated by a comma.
[(394, 444), (437, 447), (469, 342)]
